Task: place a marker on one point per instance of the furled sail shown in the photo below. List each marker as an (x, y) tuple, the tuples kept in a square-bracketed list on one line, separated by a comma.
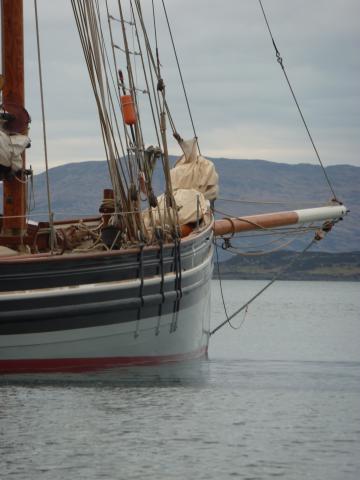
[(11, 149), (195, 171), (191, 207)]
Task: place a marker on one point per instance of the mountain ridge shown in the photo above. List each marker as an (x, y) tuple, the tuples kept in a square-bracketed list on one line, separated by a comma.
[(77, 191)]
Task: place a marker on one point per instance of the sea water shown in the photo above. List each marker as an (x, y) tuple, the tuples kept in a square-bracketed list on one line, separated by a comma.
[(279, 397)]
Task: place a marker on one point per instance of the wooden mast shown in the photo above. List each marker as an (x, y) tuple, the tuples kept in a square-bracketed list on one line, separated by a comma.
[(14, 192)]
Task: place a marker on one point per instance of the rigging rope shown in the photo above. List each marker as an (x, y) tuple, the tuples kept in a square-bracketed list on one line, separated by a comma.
[(236, 251), (91, 38), (156, 39), (270, 202), (181, 77), (148, 91), (280, 62), (273, 280), (162, 105), (279, 231), (221, 290), (116, 83), (245, 220), (50, 212)]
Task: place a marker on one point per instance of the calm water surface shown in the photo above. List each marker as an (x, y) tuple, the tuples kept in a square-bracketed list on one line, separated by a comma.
[(278, 398)]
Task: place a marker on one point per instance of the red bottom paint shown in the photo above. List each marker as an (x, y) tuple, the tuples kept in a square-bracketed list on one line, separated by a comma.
[(62, 365)]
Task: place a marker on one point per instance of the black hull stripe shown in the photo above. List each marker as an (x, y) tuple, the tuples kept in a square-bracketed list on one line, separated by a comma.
[(102, 315), (76, 270), (98, 310)]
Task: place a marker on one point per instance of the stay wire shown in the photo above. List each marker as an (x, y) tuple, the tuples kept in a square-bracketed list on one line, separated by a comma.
[(269, 202), (50, 212), (280, 62), (156, 39), (259, 248), (274, 279), (222, 292), (181, 77)]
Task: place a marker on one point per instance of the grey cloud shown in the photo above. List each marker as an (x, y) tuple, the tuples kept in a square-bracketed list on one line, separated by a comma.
[(233, 80)]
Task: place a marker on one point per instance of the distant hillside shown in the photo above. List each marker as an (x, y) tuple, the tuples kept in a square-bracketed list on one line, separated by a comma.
[(77, 190), (310, 266), (296, 186)]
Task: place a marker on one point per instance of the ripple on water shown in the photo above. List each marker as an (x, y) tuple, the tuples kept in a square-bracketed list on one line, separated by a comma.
[(279, 398)]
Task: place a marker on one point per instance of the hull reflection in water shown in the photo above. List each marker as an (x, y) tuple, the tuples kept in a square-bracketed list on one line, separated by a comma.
[(191, 372)]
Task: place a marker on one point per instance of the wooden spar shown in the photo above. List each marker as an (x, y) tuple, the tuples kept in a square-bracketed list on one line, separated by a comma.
[(14, 193), (227, 226)]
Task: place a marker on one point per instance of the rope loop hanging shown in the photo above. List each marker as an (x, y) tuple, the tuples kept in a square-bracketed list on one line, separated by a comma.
[(319, 235)]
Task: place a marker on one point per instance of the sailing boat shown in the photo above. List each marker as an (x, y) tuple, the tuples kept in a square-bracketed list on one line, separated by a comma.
[(129, 286)]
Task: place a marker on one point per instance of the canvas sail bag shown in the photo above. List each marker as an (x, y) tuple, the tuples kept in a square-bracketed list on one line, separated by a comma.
[(195, 171), (11, 149)]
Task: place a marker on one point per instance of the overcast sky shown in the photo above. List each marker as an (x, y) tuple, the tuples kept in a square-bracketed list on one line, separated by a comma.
[(240, 102)]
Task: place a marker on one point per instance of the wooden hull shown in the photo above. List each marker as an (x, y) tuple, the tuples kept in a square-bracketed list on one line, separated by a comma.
[(94, 311)]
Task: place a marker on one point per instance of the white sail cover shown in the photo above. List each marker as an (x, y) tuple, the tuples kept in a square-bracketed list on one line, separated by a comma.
[(11, 148), (189, 203), (194, 171)]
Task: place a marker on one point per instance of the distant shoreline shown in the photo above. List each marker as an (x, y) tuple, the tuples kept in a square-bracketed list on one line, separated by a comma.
[(312, 266), (303, 278)]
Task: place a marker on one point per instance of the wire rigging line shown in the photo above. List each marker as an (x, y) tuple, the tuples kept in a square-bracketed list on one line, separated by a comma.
[(152, 60), (234, 250), (180, 74), (274, 279), (152, 101), (51, 215), (280, 61), (221, 290), (164, 109), (111, 106), (282, 232), (156, 38), (115, 83), (91, 39), (269, 202)]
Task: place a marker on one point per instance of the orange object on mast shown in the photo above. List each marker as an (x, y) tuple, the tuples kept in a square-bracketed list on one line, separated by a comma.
[(128, 109)]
